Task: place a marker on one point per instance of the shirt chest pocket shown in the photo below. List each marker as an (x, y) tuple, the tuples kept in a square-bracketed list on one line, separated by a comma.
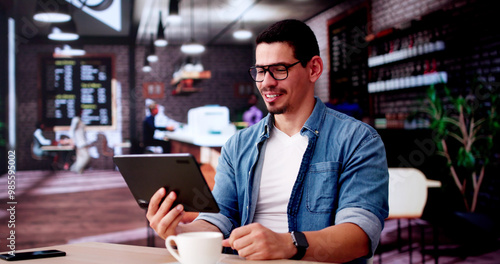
[(321, 187)]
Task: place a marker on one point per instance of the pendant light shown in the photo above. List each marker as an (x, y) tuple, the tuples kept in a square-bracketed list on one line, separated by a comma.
[(152, 57), (242, 33), (65, 31), (160, 40), (192, 47), (68, 50), (146, 67), (52, 11), (173, 12)]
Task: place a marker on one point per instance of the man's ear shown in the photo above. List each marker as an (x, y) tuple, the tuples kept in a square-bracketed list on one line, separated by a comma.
[(316, 68)]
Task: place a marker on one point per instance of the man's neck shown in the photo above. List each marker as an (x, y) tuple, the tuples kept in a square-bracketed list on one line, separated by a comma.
[(292, 123)]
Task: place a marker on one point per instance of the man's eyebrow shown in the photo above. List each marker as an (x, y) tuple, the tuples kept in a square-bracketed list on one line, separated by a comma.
[(277, 63)]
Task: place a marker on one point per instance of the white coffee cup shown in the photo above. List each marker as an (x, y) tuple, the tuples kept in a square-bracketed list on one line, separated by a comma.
[(196, 247)]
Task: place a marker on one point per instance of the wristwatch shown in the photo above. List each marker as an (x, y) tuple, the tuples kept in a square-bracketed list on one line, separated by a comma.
[(300, 242)]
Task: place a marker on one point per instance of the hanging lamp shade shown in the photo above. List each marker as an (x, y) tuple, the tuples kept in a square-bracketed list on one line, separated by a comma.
[(160, 40), (68, 50), (192, 47), (152, 57), (65, 31), (52, 11), (173, 12), (146, 67), (242, 33)]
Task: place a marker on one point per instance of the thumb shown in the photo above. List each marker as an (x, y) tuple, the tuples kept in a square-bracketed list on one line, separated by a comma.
[(225, 243)]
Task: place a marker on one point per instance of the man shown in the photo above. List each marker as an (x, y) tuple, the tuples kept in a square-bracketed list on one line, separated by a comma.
[(303, 169), (149, 127), (77, 132), (39, 140)]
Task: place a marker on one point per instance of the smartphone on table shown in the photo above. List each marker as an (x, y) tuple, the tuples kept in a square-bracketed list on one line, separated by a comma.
[(33, 255)]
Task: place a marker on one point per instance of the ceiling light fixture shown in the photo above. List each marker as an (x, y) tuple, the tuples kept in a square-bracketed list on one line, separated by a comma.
[(173, 12), (65, 31), (242, 33), (152, 57), (67, 50), (146, 67), (160, 40), (192, 47), (51, 11)]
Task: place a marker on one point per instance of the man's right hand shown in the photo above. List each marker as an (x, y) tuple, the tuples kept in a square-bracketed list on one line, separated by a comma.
[(163, 218)]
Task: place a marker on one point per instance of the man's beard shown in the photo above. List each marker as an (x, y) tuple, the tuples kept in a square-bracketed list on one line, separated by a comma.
[(273, 109), (276, 110)]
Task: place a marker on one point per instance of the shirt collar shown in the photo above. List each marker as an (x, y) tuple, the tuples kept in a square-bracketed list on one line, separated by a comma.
[(313, 123)]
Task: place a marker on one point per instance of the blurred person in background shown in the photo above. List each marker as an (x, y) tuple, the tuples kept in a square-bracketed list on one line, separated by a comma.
[(79, 137)]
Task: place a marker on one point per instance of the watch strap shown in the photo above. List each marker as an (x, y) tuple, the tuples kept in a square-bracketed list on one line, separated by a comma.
[(300, 242)]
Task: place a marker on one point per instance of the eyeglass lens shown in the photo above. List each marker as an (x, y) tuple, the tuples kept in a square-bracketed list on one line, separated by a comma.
[(278, 72)]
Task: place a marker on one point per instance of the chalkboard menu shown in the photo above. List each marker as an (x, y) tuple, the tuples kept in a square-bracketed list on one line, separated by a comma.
[(77, 85)]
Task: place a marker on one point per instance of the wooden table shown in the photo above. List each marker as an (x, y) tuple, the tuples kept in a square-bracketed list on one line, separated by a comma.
[(105, 253)]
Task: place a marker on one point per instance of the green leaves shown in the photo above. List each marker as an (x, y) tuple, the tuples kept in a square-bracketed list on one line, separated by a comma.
[(465, 126), (465, 158)]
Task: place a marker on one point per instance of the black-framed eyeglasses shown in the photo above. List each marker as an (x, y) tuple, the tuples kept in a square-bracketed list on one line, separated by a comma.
[(278, 71)]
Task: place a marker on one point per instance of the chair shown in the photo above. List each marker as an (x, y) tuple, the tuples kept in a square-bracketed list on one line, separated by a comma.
[(37, 154), (34, 153), (407, 199), (407, 193)]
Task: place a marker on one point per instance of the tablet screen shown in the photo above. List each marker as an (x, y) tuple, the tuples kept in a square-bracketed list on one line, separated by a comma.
[(146, 173)]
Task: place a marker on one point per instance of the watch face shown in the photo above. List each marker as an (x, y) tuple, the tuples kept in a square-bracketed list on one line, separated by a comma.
[(299, 239)]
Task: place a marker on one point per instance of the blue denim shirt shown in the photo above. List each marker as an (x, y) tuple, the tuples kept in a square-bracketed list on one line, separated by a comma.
[(343, 177)]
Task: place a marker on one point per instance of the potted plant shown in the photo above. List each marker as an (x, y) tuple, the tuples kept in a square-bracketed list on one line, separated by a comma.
[(464, 128)]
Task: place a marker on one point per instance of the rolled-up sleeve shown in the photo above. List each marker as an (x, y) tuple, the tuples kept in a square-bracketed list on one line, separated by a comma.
[(365, 220), (363, 194)]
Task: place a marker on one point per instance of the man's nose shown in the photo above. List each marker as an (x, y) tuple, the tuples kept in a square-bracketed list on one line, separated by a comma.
[(268, 80)]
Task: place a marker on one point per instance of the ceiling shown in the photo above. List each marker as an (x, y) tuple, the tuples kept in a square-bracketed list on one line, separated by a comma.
[(213, 20)]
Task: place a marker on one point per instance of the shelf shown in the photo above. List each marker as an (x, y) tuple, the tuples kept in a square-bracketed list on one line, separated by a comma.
[(185, 91), (403, 54), (408, 82), (184, 82), (191, 75)]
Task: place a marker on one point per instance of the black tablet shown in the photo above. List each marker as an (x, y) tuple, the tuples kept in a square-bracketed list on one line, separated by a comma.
[(146, 173)]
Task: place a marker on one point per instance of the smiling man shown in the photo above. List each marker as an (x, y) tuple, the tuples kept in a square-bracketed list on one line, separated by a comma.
[(306, 182)]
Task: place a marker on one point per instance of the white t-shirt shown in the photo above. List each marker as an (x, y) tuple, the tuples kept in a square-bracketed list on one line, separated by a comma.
[(279, 164)]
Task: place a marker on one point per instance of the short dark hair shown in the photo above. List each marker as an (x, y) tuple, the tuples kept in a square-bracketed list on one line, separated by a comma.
[(294, 32), (152, 106)]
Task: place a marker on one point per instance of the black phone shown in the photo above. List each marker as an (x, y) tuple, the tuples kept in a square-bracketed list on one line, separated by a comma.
[(33, 255)]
